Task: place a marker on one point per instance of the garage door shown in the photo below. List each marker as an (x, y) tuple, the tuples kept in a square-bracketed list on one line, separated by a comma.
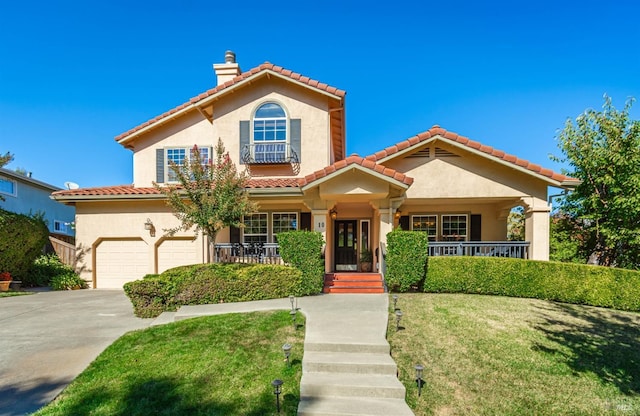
[(119, 262), (174, 253)]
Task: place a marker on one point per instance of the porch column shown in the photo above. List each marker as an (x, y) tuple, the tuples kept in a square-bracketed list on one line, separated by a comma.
[(536, 230), (386, 223), (321, 224)]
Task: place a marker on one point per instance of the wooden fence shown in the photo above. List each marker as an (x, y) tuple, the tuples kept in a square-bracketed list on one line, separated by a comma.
[(66, 252)]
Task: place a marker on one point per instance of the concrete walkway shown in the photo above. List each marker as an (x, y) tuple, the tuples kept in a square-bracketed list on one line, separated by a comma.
[(347, 367), (48, 338)]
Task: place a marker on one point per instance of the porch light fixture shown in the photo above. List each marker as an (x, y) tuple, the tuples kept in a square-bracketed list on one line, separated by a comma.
[(397, 214), (398, 317), (150, 227), (286, 348), (419, 380), (277, 389), (334, 214), (395, 302)]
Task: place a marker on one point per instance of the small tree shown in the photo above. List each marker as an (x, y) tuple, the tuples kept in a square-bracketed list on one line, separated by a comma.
[(211, 194), (603, 149)]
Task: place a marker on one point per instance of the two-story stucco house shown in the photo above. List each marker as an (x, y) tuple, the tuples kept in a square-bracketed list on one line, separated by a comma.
[(289, 131)]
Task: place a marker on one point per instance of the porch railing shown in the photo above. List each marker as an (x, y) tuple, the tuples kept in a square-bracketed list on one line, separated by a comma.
[(515, 249), (266, 253)]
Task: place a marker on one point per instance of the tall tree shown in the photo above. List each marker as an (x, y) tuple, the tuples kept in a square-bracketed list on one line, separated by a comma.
[(6, 158), (210, 194), (603, 150)]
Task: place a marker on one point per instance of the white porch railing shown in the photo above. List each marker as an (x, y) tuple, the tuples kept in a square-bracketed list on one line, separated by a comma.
[(515, 249), (266, 253)]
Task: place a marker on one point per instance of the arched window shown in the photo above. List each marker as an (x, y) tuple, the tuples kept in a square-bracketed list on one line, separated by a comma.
[(270, 134)]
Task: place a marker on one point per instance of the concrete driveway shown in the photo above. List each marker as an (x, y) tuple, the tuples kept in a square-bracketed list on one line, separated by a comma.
[(48, 338)]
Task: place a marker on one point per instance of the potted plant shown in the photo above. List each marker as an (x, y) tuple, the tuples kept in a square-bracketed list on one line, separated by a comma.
[(366, 258), (5, 281)]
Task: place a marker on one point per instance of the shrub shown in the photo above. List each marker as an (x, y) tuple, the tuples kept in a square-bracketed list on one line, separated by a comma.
[(303, 250), (44, 269), (22, 239), (563, 282), (406, 260), (68, 281), (210, 283)]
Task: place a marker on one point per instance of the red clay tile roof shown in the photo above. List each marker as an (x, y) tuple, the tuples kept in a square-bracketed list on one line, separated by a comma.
[(264, 67), (357, 160), (454, 137), (123, 190)]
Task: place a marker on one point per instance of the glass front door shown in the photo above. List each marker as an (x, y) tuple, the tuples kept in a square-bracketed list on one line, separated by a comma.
[(346, 245)]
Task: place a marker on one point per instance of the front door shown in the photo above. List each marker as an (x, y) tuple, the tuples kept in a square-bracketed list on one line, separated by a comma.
[(345, 245)]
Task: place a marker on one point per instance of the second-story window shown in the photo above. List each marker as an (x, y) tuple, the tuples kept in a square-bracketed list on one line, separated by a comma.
[(269, 134), (177, 155)]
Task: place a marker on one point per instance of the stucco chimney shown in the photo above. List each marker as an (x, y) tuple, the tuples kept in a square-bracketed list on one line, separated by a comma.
[(228, 70)]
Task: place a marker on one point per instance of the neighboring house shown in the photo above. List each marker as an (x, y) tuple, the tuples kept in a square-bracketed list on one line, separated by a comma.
[(289, 131), (25, 195)]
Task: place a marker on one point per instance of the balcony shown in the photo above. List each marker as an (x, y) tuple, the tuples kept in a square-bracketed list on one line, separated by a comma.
[(263, 253), (276, 153), (514, 249)]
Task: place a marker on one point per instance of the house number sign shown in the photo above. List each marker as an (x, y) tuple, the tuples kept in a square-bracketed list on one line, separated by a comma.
[(319, 223)]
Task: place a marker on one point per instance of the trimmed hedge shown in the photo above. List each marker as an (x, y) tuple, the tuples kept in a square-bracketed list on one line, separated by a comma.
[(562, 282), (22, 239), (47, 268), (210, 283), (406, 260), (303, 250)]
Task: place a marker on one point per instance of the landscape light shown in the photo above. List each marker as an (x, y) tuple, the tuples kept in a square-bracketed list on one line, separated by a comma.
[(419, 368), (277, 389), (286, 348), (398, 317)]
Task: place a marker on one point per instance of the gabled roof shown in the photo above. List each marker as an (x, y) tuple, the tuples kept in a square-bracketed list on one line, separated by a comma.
[(464, 142), (359, 163), (248, 76)]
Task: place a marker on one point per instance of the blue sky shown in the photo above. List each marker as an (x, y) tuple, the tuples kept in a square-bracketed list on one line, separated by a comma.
[(74, 74)]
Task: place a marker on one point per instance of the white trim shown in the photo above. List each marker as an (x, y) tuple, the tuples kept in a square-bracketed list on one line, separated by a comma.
[(11, 181)]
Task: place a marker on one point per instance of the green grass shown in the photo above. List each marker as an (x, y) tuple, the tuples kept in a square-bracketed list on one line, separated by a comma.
[(13, 293), (486, 355), (218, 365)]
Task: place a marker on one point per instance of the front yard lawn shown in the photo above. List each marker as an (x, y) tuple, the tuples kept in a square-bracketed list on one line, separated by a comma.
[(218, 365), (489, 355)]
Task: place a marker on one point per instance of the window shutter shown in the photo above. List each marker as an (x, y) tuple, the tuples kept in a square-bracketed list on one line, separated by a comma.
[(159, 165), (245, 140), (476, 227), (305, 221), (404, 222), (234, 234), (295, 134)]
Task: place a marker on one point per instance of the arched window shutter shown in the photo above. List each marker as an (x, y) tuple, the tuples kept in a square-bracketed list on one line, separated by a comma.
[(245, 139), (295, 135)]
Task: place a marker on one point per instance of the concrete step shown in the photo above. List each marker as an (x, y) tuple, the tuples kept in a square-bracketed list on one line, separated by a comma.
[(380, 348), (319, 385), (353, 406), (348, 362)]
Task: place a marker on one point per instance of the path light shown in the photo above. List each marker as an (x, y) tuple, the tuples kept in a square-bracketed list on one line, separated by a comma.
[(286, 348), (419, 380), (277, 389), (291, 299), (398, 317), (292, 312), (395, 302)]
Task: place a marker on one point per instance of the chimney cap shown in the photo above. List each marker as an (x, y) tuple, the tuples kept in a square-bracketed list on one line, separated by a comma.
[(230, 57)]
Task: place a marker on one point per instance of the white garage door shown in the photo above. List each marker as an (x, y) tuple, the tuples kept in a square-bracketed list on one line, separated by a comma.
[(174, 253), (119, 262)]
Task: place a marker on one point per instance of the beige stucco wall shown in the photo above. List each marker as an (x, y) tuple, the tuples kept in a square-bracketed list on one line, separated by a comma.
[(101, 221), (228, 111)]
